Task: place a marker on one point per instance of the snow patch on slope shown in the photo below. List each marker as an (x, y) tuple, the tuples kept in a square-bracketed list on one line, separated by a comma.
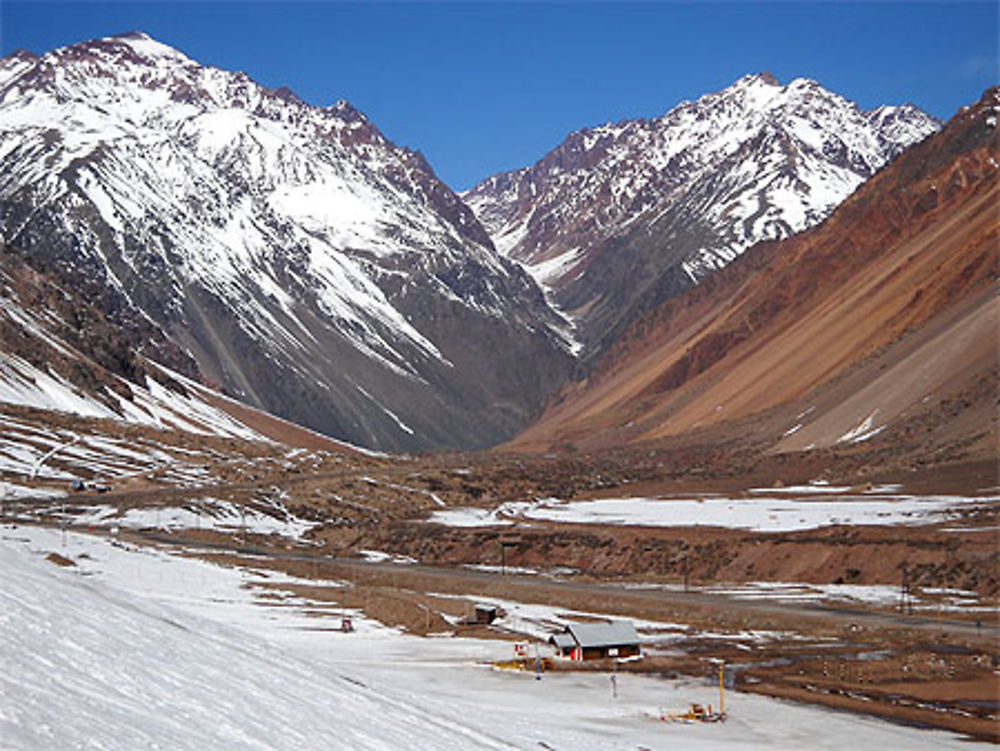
[(780, 514), (23, 384)]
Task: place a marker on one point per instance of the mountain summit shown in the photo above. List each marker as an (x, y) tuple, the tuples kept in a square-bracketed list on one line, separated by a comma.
[(307, 264), (620, 217)]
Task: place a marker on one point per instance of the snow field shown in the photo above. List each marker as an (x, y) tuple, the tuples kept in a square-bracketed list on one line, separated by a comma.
[(878, 595), (10, 491), (97, 665), (134, 648), (206, 513), (759, 514)]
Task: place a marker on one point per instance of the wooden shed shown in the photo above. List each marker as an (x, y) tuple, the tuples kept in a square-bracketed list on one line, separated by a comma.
[(597, 640), (485, 614)]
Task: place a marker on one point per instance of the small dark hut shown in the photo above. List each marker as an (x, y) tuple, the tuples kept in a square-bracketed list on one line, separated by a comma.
[(485, 614)]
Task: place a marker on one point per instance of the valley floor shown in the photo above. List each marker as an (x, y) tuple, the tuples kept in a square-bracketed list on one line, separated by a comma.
[(122, 646)]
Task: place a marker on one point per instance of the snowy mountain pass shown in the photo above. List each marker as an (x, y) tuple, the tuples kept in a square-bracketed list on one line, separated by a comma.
[(136, 648)]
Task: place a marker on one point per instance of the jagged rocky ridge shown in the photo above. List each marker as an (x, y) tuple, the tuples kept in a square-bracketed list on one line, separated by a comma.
[(618, 218), (307, 264)]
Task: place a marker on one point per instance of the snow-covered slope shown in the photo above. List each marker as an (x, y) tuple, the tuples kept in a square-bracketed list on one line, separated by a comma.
[(151, 403), (134, 648), (309, 265), (92, 665), (59, 354), (621, 216)]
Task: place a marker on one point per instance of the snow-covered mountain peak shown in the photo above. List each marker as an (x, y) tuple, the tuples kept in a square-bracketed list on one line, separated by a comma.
[(143, 81), (132, 56), (231, 213), (764, 78), (146, 48), (694, 187), (151, 77), (754, 90)]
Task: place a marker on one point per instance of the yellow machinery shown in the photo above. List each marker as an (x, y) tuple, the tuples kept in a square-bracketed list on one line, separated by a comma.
[(700, 713)]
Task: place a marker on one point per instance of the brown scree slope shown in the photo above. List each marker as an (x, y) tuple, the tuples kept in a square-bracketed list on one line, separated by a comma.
[(886, 306)]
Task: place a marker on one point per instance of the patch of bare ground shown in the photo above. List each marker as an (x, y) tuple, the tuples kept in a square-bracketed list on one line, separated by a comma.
[(915, 680), (902, 679), (60, 560)]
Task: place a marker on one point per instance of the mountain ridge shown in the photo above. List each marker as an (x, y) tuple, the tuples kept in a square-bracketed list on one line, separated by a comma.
[(621, 216), (874, 324), (308, 265)]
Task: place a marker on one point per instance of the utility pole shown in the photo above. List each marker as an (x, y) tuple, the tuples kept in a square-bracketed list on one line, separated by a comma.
[(504, 544), (722, 691), (904, 591)]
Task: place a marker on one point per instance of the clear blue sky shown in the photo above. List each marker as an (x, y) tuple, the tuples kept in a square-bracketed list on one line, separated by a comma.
[(484, 87)]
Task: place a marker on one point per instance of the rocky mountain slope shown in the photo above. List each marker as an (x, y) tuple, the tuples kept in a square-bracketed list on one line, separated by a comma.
[(620, 217), (305, 263), (877, 328), (60, 354)]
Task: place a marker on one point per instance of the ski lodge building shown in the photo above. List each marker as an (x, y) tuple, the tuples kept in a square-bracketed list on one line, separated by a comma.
[(596, 641)]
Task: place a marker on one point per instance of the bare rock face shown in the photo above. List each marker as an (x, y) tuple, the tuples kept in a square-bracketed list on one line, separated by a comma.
[(618, 218), (304, 263)]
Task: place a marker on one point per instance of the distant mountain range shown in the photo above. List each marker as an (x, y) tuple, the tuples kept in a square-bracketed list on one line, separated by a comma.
[(618, 218), (295, 258)]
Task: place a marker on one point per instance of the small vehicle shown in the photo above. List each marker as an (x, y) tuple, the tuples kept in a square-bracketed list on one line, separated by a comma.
[(81, 486)]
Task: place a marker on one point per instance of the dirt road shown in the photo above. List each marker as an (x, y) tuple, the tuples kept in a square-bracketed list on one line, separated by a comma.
[(531, 587)]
